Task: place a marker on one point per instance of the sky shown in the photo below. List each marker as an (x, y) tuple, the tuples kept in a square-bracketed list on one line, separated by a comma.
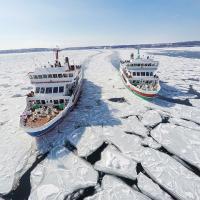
[(66, 23)]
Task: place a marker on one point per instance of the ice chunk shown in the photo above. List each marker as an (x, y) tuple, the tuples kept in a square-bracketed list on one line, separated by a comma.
[(172, 175), (180, 141), (114, 189), (151, 189), (185, 123), (60, 174), (86, 139), (17, 154), (151, 118), (148, 141), (133, 125), (114, 162), (129, 145)]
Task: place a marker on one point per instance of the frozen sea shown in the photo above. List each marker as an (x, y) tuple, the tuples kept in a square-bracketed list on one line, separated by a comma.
[(113, 145)]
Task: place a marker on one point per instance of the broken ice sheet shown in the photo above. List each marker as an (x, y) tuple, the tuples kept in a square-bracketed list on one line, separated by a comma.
[(114, 189), (60, 174), (86, 139), (133, 125), (180, 141), (114, 162), (129, 145), (151, 189), (148, 141), (151, 118), (171, 175)]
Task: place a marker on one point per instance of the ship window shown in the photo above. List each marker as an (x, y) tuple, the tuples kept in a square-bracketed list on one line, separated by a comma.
[(134, 73), (49, 75), (50, 101), (152, 64), (149, 64), (55, 90), (54, 75), (44, 76), (55, 101), (142, 65), (147, 73), (61, 100), (48, 90), (59, 75), (39, 76), (146, 65), (43, 102), (61, 89), (142, 73), (65, 75), (42, 90), (151, 73), (138, 73), (30, 77), (138, 65), (70, 75), (37, 101), (37, 90), (35, 77)]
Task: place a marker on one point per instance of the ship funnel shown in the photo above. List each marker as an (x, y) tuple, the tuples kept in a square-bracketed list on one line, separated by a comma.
[(67, 62), (132, 56)]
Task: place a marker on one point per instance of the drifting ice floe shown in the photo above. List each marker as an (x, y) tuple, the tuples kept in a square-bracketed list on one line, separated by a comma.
[(133, 125), (86, 139), (151, 189), (180, 141), (171, 175), (61, 174), (148, 141), (129, 145), (114, 162), (16, 154), (114, 189), (151, 118)]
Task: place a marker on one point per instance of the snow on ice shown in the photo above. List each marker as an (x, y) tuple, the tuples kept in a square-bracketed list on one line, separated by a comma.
[(180, 141), (171, 175), (61, 174), (172, 119), (151, 189), (114, 162), (113, 189)]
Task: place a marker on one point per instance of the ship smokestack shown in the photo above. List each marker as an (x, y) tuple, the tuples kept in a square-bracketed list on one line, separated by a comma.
[(67, 62)]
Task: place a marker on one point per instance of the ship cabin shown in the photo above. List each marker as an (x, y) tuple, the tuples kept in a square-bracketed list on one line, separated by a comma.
[(141, 70), (53, 85)]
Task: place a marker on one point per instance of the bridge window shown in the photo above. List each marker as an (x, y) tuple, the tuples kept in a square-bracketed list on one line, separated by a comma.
[(70, 75), (61, 89), (30, 76), (142, 73), (65, 75), (146, 65), (55, 101), (37, 90), (43, 102), (49, 90), (44, 76), (49, 75), (37, 101), (149, 64), (55, 75), (55, 90), (151, 73), (35, 77), (134, 73), (60, 76), (61, 100), (40, 76), (147, 73), (42, 90), (138, 73)]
